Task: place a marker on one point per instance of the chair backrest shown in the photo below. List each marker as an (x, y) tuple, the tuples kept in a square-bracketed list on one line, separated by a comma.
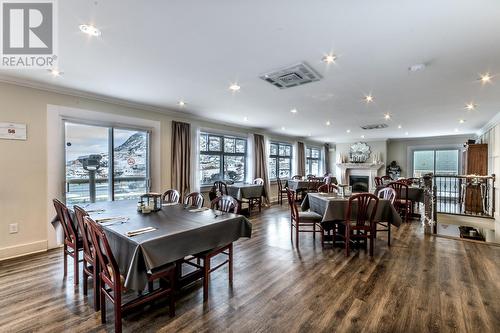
[(327, 188), (406, 181), (110, 271), (413, 180), (384, 178), (294, 211), (387, 193), (280, 184), (365, 209), (194, 199), (310, 176), (378, 181), (258, 181), (221, 187), (70, 231), (398, 187), (297, 177), (80, 214), (313, 183), (225, 203), (170, 196)]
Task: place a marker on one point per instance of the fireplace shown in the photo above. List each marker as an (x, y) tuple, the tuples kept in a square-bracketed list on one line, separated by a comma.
[(359, 183)]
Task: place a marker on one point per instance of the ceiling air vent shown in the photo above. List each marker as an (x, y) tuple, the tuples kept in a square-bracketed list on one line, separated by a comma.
[(291, 76), (376, 126)]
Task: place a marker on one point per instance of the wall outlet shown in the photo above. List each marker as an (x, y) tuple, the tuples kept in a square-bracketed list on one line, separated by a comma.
[(13, 228)]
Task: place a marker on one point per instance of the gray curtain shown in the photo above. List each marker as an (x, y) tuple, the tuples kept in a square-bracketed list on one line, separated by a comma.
[(327, 158), (301, 159), (260, 164), (181, 157)]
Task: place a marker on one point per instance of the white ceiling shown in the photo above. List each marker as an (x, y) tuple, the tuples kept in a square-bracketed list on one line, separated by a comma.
[(157, 52)]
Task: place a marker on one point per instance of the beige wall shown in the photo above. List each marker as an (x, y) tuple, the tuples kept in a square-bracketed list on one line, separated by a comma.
[(23, 164)]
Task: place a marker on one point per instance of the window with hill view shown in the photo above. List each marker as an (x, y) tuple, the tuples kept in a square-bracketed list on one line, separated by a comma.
[(280, 160)]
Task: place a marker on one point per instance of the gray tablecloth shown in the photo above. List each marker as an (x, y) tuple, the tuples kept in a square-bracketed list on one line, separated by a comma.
[(415, 194), (245, 191), (295, 185), (334, 208), (179, 233)]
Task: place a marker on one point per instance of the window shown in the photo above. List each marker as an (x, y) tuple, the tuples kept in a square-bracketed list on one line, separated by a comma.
[(280, 160), (313, 158), (439, 162), (93, 153), (222, 158)]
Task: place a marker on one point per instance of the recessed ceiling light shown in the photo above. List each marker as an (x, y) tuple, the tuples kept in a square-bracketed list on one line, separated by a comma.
[(470, 106), (234, 87), (181, 103), (368, 98), (309, 134), (400, 126), (329, 58), (485, 78), (328, 123), (348, 131), (293, 110), (461, 121), (387, 116), (456, 129), (283, 128), (406, 133), (55, 72), (90, 30), (245, 118), (362, 137)]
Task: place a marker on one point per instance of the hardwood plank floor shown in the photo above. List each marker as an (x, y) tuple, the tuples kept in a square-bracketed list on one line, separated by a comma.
[(420, 284)]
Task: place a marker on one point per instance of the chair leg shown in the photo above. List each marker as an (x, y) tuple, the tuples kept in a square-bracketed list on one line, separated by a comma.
[(297, 225), (75, 265), (65, 251), (314, 230), (102, 302), (388, 233), (260, 205), (171, 311), (347, 241), (230, 263), (372, 240), (85, 278), (206, 276), (95, 281), (118, 313)]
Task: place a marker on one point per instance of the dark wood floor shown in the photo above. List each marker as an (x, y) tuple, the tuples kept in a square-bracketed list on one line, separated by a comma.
[(420, 284)]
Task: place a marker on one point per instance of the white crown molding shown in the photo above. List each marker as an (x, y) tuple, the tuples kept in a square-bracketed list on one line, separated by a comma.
[(489, 125)]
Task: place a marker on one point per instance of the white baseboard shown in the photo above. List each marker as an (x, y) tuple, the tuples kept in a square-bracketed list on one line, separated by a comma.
[(22, 250)]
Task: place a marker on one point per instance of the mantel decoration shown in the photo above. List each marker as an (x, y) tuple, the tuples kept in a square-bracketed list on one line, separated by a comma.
[(359, 152)]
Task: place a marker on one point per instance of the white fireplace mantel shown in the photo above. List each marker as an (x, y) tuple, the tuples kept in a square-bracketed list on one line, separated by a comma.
[(359, 169)]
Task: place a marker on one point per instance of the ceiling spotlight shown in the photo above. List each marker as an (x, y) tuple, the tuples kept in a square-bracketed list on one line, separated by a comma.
[(348, 131), (470, 106), (293, 110), (181, 103), (309, 134), (485, 78), (400, 126), (328, 123), (234, 87), (387, 116), (456, 129), (329, 58), (283, 128), (461, 121), (368, 98), (245, 118), (90, 30), (55, 72), (362, 137), (406, 133)]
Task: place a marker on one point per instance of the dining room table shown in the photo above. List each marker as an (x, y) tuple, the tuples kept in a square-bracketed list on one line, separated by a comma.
[(333, 207), (415, 193), (175, 232), (241, 191), (297, 184)]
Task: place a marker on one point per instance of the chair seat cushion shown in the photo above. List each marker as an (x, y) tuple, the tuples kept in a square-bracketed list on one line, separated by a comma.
[(310, 216)]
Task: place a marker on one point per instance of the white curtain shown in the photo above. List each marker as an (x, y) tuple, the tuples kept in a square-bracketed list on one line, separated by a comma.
[(250, 158), (195, 158)]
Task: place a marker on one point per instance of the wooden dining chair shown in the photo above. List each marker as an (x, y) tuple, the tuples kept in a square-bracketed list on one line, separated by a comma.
[(256, 201), (297, 177), (225, 203), (327, 188), (112, 282), (378, 181), (402, 204), (90, 267), (281, 190), (219, 188), (310, 176), (73, 242), (194, 199), (313, 184), (170, 196), (387, 193), (386, 179), (302, 221), (363, 226)]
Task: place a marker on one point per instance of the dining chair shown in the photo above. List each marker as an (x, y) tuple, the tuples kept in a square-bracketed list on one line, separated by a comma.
[(73, 242), (256, 201), (327, 188), (194, 199), (170, 196), (364, 207), (112, 282), (387, 193), (90, 266), (310, 176), (219, 188), (298, 220), (378, 181), (386, 179), (225, 203), (313, 184), (297, 177), (281, 190), (401, 202)]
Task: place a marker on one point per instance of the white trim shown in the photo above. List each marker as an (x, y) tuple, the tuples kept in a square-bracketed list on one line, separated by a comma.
[(490, 124), (23, 249)]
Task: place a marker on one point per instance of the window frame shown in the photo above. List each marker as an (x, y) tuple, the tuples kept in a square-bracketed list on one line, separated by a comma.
[(222, 154), (310, 159), (278, 156), (434, 151)]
